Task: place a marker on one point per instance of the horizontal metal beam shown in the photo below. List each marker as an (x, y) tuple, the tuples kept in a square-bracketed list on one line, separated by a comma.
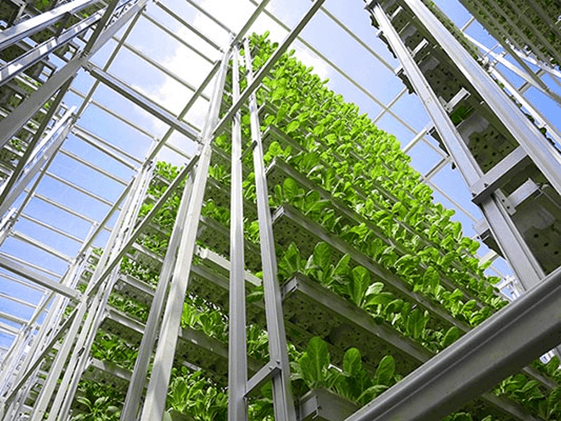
[(41, 51), (31, 26), (7, 329), (12, 318), (267, 66), (178, 38), (17, 300), (210, 16), (106, 147), (146, 221), (187, 25), (36, 159), (143, 102), (10, 125), (39, 279), (499, 347), (339, 70), (41, 246), (497, 175)]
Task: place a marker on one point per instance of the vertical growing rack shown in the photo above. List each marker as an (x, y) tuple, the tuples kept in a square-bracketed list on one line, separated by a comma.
[(345, 272)]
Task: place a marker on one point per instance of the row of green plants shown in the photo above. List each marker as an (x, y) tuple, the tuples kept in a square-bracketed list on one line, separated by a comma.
[(335, 145), (380, 159), (357, 286), (510, 25), (428, 282)]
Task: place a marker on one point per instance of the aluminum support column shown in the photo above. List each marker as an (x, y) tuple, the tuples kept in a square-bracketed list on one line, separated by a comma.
[(237, 334), (10, 125), (283, 400), (22, 30), (524, 263), (89, 306), (49, 333), (156, 394), (140, 372), (268, 65), (544, 155), (96, 309), (477, 361)]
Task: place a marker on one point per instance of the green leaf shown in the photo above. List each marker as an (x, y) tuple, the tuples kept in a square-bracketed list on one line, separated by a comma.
[(384, 298), (255, 296), (359, 282), (394, 307), (450, 337), (385, 371), (281, 113), (322, 255), (468, 307), (372, 392), (269, 120), (292, 126), (331, 138), (342, 266), (416, 323), (431, 279), (374, 289), (84, 401), (290, 189), (314, 363), (319, 130), (278, 93)]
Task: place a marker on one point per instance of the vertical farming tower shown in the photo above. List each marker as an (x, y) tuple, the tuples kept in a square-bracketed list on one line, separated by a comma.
[(294, 265)]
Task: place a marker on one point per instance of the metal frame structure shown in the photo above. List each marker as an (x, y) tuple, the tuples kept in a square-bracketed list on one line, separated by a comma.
[(45, 121)]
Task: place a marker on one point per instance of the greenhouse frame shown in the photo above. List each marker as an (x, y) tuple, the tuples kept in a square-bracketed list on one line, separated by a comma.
[(207, 213)]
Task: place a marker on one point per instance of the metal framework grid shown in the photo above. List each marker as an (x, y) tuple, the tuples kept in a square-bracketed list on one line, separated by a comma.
[(51, 219)]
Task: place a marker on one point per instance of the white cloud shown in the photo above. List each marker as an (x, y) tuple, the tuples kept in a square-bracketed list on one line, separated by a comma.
[(310, 59)]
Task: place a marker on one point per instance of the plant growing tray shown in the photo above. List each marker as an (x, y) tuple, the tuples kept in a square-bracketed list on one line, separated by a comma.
[(278, 170), (290, 225), (193, 347), (324, 405)]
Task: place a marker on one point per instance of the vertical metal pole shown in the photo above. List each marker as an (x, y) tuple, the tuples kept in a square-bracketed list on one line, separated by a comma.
[(47, 330), (523, 262), (544, 155), (86, 306), (96, 309), (156, 394), (283, 400), (514, 248), (140, 372), (237, 349)]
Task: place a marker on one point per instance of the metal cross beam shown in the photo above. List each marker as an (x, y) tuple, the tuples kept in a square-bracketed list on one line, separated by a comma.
[(477, 361)]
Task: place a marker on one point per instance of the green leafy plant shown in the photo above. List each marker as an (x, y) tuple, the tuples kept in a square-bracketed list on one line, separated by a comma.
[(193, 394), (352, 381), (98, 402)]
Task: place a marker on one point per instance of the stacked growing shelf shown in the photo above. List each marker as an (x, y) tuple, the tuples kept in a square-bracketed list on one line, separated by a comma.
[(531, 27), (375, 277), (479, 131), (30, 57)]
